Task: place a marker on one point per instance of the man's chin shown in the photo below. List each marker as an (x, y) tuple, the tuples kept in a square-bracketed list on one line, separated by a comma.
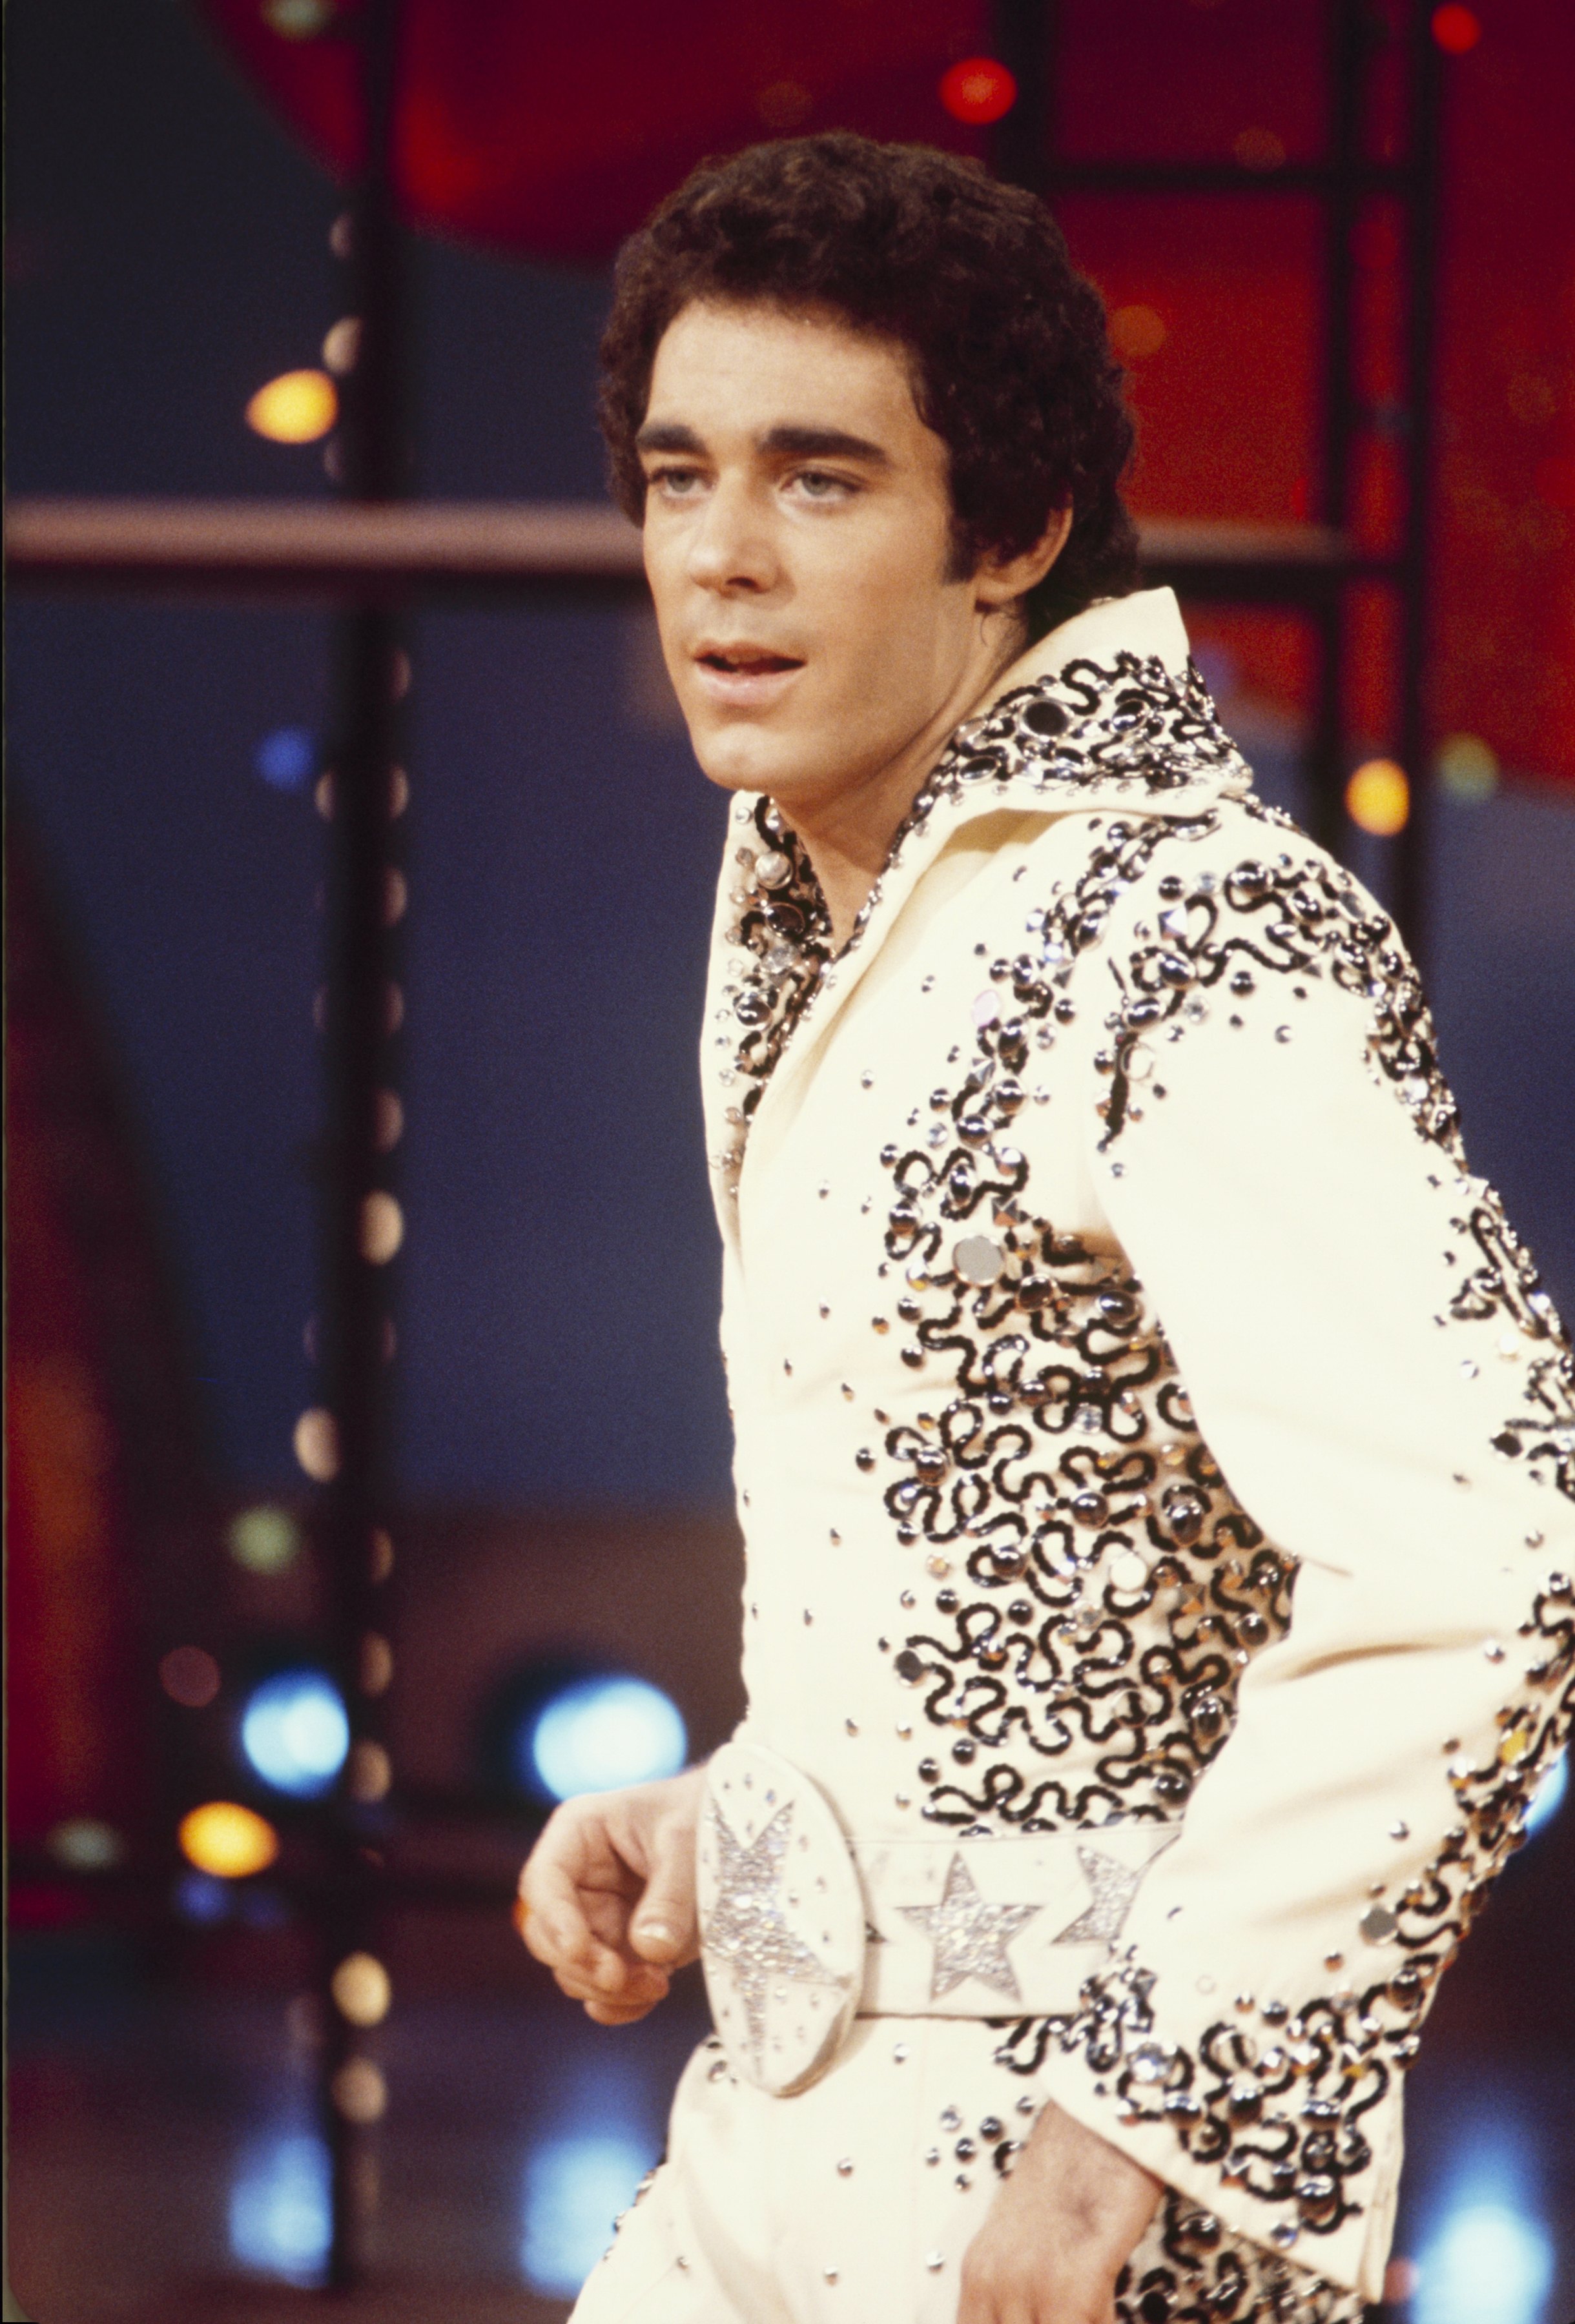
[(739, 758)]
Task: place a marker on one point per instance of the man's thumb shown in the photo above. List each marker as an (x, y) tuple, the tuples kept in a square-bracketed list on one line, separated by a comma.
[(663, 1927)]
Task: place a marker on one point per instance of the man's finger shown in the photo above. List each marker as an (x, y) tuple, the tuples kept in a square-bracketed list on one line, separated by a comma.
[(662, 1925)]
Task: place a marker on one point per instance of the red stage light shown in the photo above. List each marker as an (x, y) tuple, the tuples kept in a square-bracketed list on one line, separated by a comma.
[(1456, 29), (978, 90)]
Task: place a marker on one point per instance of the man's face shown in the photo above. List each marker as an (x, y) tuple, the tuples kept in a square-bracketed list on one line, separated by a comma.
[(798, 526)]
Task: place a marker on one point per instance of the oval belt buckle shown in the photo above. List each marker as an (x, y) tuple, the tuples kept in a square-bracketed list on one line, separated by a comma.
[(782, 1920)]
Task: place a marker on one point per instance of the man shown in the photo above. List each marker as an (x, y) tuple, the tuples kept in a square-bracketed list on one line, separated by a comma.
[(1151, 1445)]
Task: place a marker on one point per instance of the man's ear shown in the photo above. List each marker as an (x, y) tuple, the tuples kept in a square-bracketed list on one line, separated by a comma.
[(999, 579)]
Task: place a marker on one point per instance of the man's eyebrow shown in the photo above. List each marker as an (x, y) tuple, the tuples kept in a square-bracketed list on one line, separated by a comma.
[(794, 443), (667, 436), (825, 444)]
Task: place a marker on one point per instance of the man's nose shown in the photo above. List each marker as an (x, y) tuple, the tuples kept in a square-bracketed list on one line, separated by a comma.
[(731, 547)]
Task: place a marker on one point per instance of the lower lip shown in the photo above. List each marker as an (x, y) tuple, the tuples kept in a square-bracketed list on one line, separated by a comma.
[(745, 689)]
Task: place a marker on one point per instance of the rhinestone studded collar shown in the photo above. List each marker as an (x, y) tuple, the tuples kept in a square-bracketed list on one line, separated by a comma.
[(1106, 712)]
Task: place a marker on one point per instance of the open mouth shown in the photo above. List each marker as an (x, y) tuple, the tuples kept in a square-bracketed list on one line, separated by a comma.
[(746, 662)]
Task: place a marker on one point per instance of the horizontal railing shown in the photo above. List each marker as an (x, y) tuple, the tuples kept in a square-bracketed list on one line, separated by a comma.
[(338, 550)]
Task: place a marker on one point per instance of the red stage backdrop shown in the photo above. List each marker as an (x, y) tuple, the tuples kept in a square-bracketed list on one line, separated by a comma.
[(550, 133)]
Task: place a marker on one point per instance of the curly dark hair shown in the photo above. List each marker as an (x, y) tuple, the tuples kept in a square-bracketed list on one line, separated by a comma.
[(1010, 361)]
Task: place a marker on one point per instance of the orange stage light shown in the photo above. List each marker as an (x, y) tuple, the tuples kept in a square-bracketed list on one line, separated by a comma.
[(228, 1841), (1378, 797), (296, 408)]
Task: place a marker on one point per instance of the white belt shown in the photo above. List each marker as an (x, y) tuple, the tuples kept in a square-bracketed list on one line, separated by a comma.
[(802, 1929)]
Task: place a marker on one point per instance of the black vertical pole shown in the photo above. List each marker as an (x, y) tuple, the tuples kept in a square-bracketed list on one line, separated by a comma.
[(1024, 38), (1326, 817), (1413, 849), (362, 1224)]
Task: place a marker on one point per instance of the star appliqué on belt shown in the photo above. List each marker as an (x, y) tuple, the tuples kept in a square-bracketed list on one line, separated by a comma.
[(1114, 1885), (969, 1937), (747, 1927)]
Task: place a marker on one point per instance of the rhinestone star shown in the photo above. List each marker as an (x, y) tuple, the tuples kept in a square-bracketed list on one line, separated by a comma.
[(969, 1937), (1114, 1885), (748, 1928)]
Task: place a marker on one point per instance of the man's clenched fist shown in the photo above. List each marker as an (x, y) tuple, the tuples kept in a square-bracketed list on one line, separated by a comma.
[(607, 1896)]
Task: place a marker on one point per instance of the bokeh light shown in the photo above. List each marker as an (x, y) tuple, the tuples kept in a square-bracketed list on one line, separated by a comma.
[(575, 2186), (377, 1663), (296, 408), (1135, 332), (371, 1772), (1378, 797), (202, 1898), (86, 1844), (228, 1840), (1456, 30), (978, 91), (595, 1734), (389, 1125), (278, 2207), (361, 1989), (382, 1227), (1258, 149), (342, 346), (294, 1732), (190, 1676), (1490, 2263), (1468, 768), (785, 105), (317, 1443), (263, 1539), (359, 2091), (286, 760), (1549, 1796)]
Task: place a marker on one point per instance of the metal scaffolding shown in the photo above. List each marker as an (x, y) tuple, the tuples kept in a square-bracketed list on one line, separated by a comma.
[(1025, 151)]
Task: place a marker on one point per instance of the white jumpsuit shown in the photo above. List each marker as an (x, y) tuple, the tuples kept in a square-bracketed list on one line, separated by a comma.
[(1144, 1420)]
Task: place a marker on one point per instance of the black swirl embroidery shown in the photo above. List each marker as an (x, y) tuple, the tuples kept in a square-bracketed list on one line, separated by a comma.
[(1297, 919), (1109, 1589), (1132, 723), (785, 936), (1276, 2100)]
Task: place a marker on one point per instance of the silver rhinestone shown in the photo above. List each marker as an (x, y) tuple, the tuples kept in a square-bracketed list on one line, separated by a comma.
[(977, 1260), (1378, 1924), (845, 2168), (935, 2262)]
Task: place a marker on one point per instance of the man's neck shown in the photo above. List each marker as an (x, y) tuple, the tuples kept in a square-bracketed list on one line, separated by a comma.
[(847, 836)]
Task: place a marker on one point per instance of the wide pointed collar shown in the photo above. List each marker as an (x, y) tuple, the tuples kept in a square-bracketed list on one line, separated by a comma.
[(1107, 712)]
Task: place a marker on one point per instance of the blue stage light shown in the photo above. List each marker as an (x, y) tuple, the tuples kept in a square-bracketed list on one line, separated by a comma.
[(1549, 1796), (576, 2184), (1489, 2264), (294, 1732), (202, 1898), (279, 2210), (287, 759), (594, 1734)]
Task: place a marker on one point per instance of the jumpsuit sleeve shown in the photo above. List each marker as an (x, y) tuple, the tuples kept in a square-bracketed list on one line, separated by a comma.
[(1386, 1389)]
